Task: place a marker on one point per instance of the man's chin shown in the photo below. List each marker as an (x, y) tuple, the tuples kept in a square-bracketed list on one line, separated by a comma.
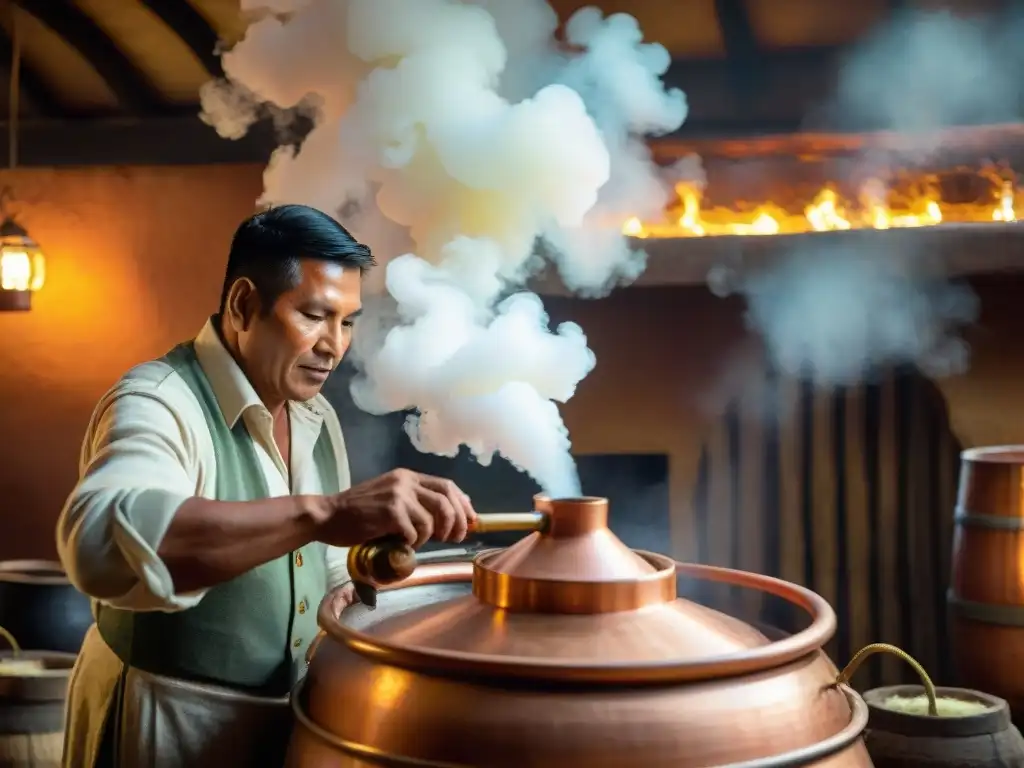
[(306, 383), (303, 392)]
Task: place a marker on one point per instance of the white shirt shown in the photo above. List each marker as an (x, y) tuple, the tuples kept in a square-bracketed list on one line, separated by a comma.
[(146, 451)]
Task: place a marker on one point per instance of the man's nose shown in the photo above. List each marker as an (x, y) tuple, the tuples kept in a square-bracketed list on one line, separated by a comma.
[(332, 341)]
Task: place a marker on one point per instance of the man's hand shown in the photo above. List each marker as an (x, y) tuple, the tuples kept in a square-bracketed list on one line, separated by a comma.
[(342, 597), (414, 506)]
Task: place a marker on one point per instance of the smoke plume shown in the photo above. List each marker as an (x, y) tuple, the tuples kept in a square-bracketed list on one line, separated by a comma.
[(836, 310), (839, 312), (462, 128), (926, 70)]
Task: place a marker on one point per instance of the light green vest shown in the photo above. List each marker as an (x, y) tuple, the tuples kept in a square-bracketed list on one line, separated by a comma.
[(251, 632)]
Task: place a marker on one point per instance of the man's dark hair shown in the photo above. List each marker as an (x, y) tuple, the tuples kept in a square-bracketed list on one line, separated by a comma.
[(267, 248)]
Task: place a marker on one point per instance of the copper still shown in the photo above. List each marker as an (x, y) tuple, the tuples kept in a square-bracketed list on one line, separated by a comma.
[(567, 649)]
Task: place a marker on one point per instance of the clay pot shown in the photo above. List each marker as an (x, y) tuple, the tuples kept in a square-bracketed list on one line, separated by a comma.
[(41, 608), (570, 649), (900, 740)]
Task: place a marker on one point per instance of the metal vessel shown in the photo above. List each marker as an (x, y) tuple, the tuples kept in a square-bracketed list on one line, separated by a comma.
[(569, 649)]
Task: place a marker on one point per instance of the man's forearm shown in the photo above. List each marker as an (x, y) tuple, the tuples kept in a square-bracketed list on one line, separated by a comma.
[(210, 542)]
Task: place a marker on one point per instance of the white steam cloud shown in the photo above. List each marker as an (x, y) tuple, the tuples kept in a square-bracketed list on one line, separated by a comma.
[(837, 314), (926, 70), (838, 308), (463, 128)]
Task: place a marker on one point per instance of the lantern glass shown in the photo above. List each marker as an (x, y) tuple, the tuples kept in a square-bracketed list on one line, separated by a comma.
[(22, 264)]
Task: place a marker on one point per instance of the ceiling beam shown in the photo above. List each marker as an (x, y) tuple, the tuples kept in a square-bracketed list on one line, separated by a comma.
[(188, 24), (741, 45), (167, 141), (186, 140), (40, 96), (134, 92)]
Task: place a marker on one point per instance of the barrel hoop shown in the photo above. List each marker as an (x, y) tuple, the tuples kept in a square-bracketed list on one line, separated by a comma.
[(986, 613), (992, 522), (24, 718), (803, 756)]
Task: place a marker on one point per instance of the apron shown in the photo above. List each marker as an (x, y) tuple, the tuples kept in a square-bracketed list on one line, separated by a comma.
[(148, 720)]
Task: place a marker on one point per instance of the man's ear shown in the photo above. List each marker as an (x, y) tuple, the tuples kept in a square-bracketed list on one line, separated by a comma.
[(243, 304)]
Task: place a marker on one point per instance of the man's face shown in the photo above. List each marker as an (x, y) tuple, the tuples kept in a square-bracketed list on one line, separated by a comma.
[(289, 351)]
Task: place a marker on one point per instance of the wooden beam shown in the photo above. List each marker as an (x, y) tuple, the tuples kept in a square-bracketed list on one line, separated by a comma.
[(135, 93), (39, 95), (741, 45), (169, 141), (186, 140), (188, 24), (948, 148)]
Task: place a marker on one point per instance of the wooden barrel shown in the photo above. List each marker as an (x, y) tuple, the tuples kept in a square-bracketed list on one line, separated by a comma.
[(32, 712), (986, 596), (900, 740)]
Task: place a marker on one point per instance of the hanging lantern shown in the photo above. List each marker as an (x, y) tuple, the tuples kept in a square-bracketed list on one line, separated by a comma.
[(22, 267)]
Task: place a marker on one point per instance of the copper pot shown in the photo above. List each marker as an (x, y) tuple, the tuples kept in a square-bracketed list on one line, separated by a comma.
[(568, 648)]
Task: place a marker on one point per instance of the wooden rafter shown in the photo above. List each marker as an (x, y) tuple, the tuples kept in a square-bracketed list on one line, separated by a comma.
[(188, 24), (134, 92), (741, 45), (33, 87)]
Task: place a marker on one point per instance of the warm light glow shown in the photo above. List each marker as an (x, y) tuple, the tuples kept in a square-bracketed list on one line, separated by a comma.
[(875, 208), (1005, 211), (22, 265)]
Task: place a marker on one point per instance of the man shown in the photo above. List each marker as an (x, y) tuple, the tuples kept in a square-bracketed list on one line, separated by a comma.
[(213, 511)]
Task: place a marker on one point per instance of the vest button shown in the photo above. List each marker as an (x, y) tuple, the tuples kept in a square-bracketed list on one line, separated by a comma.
[(298, 559), (302, 606), (297, 642)]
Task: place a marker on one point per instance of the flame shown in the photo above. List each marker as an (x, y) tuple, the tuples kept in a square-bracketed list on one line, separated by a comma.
[(827, 212), (15, 271), (1005, 210), (21, 270)]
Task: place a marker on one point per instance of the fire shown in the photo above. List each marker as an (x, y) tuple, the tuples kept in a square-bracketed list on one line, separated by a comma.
[(875, 207)]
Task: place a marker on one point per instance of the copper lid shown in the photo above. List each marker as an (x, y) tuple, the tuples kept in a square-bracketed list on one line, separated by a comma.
[(573, 601)]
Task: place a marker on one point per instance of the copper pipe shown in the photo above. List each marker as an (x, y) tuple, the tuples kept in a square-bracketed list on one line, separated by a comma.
[(502, 522)]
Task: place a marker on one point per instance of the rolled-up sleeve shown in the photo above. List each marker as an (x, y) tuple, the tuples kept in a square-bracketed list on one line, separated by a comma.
[(137, 469)]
